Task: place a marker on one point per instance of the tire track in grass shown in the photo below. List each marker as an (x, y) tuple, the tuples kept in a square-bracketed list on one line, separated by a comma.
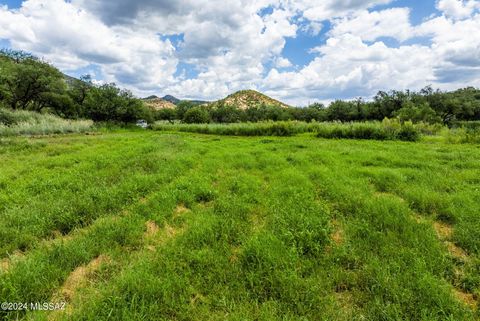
[(46, 247), (154, 237), (9, 262), (444, 233), (36, 174), (348, 209), (78, 278)]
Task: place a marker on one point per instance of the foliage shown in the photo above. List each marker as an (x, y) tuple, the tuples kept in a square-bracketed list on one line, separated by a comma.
[(28, 83), (196, 115), (182, 107), (426, 106), (109, 103), (165, 114)]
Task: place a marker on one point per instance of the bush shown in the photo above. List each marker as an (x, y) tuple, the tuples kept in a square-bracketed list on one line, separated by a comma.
[(408, 132), (196, 115), (7, 117)]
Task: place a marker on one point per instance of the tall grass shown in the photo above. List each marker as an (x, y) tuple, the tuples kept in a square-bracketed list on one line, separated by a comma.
[(298, 228), (461, 135), (240, 129), (386, 130), (471, 125), (31, 123)]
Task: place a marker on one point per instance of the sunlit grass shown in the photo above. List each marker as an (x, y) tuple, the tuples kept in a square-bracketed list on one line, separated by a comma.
[(239, 228)]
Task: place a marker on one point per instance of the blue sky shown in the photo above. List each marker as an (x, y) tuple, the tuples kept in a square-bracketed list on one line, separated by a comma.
[(299, 52)]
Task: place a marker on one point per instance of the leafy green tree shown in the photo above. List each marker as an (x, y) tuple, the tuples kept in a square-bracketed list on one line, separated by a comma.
[(226, 114), (110, 103), (342, 111), (165, 114), (79, 89), (196, 115), (417, 113), (183, 107), (26, 82), (61, 104)]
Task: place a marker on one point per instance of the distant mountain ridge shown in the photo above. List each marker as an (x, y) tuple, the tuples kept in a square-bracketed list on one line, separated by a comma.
[(174, 100)]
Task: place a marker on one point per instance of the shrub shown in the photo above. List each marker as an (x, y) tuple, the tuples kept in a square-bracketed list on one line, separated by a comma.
[(6, 117), (196, 115), (408, 133)]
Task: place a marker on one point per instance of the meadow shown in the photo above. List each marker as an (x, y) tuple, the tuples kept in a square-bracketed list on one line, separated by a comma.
[(168, 225)]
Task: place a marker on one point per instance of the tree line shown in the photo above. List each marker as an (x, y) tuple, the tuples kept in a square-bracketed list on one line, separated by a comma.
[(29, 83), (427, 105)]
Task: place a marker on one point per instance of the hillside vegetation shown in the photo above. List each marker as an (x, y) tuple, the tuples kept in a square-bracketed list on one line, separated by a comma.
[(161, 226), (158, 103), (245, 99)]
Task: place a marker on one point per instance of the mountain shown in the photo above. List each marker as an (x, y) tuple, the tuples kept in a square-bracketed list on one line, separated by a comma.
[(245, 99), (158, 103), (175, 100), (172, 99)]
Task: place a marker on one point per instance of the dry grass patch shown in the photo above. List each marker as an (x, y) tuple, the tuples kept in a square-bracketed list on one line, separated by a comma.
[(78, 279), (180, 209), (456, 251), (467, 298), (444, 231), (8, 262), (337, 236), (151, 228), (155, 236)]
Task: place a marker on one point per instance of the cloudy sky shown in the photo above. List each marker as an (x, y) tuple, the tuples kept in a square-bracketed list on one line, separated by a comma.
[(298, 51)]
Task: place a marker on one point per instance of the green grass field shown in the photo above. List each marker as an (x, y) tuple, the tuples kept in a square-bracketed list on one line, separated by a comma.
[(145, 225)]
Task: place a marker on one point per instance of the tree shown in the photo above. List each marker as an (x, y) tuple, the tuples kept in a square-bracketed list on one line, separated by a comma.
[(79, 89), (226, 114), (109, 103), (196, 115), (342, 110), (417, 113), (183, 107), (165, 114), (26, 82)]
